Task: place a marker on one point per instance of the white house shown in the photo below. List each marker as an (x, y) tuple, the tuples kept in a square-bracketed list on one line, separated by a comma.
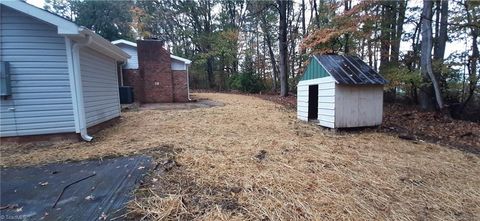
[(339, 92), (131, 49), (57, 77)]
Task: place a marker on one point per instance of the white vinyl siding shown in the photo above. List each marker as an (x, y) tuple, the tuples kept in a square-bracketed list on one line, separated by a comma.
[(178, 65), (326, 100), (132, 62), (358, 106), (100, 87), (41, 100)]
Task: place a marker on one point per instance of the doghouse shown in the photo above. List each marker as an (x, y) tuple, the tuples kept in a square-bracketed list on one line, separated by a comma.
[(340, 91)]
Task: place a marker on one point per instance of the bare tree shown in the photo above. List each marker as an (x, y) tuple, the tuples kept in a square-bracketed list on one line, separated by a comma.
[(426, 60), (283, 44), (473, 76)]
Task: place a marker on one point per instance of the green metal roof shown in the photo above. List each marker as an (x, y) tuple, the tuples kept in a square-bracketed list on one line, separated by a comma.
[(314, 70)]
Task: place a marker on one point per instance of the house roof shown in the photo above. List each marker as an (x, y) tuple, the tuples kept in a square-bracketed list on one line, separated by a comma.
[(123, 41), (347, 69), (68, 28), (184, 60), (133, 44)]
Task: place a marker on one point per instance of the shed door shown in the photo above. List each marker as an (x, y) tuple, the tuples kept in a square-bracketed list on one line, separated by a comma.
[(313, 102)]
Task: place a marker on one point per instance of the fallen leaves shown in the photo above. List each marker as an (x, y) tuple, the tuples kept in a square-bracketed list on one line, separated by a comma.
[(434, 127)]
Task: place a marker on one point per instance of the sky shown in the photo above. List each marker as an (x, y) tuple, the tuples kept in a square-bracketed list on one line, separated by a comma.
[(38, 3)]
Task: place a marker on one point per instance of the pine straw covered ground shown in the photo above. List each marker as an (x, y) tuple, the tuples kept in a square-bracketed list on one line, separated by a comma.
[(251, 160)]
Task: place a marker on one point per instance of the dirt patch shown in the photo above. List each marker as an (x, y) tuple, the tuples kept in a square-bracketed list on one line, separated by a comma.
[(307, 173)]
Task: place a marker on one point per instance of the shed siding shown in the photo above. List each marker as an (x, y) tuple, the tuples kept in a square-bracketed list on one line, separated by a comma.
[(358, 106), (302, 102), (132, 62), (100, 87), (326, 100), (39, 77)]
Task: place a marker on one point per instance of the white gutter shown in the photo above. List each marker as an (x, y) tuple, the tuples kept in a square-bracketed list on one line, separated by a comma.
[(82, 122)]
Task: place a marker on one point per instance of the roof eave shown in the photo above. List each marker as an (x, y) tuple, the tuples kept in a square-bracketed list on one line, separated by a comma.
[(123, 41), (105, 46), (64, 27), (184, 60), (68, 28)]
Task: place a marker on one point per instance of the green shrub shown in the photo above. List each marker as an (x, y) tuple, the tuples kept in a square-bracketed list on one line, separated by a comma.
[(246, 82)]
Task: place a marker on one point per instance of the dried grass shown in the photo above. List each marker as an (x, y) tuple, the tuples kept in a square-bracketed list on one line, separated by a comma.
[(304, 173)]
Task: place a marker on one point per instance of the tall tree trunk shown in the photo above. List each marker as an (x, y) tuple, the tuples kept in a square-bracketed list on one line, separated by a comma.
[(283, 44), (210, 59), (303, 18), (440, 40), (473, 76), (317, 14), (385, 35), (398, 32), (348, 5), (370, 52), (210, 76), (375, 39), (415, 40), (426, 60), (272, 60)]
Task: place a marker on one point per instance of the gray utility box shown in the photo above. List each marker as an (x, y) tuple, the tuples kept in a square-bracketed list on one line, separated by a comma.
[(5, 85)]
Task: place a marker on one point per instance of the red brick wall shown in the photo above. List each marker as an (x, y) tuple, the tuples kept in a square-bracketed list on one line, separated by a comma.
[(180, 85), (155, 81), (155, 67), (132, 77)]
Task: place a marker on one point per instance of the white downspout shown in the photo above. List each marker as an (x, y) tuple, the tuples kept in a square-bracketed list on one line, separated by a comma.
[(188, 84), (78, 87)]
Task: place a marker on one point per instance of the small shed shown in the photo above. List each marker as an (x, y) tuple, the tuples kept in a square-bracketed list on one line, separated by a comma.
[(56, 77), (340, 91)]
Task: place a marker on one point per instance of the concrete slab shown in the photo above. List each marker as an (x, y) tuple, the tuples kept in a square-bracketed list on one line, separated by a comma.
[(180, 106)]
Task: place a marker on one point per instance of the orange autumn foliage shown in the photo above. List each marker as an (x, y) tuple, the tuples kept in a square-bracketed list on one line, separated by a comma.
[(348, 22)]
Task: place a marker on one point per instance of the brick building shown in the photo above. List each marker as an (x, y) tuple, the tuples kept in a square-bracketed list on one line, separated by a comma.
[(155, 75)]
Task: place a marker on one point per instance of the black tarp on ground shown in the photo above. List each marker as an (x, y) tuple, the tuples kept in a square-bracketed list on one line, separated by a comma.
[(29, 193)]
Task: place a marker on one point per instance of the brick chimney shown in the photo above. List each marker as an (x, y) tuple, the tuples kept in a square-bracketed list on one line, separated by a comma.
[(155, 70)]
